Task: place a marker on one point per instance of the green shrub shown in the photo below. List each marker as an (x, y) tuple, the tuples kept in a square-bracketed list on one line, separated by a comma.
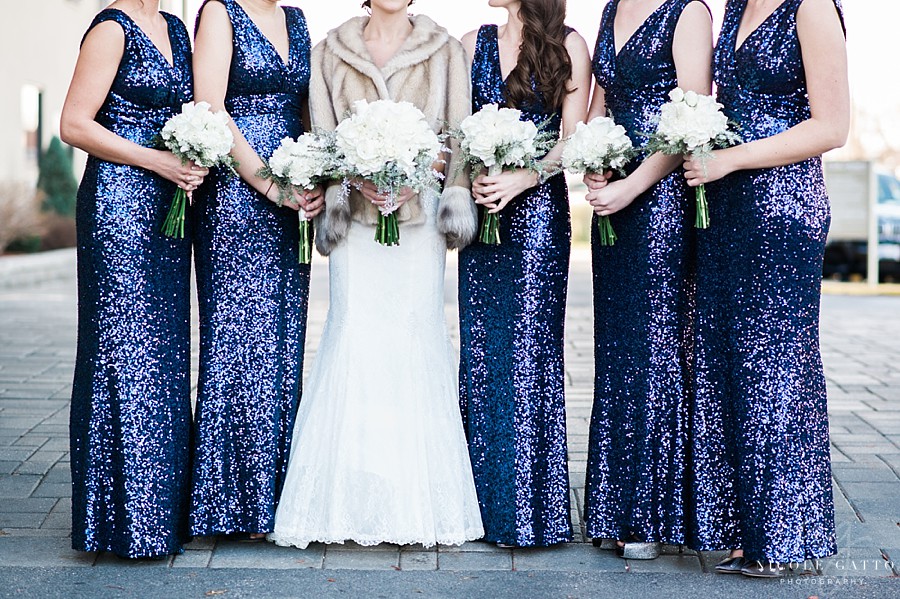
[(57, 179)]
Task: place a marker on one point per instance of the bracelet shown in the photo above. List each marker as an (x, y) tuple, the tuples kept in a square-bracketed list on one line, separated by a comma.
[(279, 202)]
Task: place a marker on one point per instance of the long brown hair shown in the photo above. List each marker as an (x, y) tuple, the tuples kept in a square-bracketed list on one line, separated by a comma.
[(543, 57)]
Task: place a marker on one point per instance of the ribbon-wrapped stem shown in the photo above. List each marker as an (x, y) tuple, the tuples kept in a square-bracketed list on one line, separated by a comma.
[(306, 238), (387, 231)]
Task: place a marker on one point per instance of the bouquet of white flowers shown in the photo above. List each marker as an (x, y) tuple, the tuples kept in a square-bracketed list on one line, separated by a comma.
[(302, 164), (598, 147), (391, 145), (496, 139), (694, 124), (202, 136)]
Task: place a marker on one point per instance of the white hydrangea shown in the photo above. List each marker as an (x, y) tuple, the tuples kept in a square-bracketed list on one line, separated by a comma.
[(199, 134), (498, 137), (303, 162), (386, 136), (597, 147), (691, 123)]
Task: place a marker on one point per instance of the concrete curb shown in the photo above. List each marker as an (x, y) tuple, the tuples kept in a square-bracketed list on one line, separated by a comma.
[(32, 269)]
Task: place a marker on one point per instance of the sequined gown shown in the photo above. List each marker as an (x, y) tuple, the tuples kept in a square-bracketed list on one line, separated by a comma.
[(642, 300), (760, 446), (253, 297), (131, 413), (512, 301)]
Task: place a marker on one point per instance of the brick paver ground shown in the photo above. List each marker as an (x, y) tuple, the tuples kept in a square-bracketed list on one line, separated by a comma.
[(861, 347)]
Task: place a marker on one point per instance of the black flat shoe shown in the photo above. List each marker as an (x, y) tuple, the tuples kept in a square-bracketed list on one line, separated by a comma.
[(757, 569), (245, 537), (606, 544), (731, 565)]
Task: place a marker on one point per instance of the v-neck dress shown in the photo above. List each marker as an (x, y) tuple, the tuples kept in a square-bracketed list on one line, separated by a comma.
[(642, 300), (512, 310), (761, 475), (131, 407), (253, 296)]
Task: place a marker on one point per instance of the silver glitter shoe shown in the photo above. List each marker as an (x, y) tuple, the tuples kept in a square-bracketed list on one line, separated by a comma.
[(639, 550), (758, 569)]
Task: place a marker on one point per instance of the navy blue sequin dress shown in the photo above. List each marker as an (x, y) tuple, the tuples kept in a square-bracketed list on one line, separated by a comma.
[(760, 446), (253, 297), (642, 300), (512, 300), (131, 407)]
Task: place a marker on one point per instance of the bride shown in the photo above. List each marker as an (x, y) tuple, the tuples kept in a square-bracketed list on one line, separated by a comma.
[(379, 453)]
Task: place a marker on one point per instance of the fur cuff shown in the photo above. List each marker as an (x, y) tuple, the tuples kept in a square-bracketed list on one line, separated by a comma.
[(333, 223), (457, 217)]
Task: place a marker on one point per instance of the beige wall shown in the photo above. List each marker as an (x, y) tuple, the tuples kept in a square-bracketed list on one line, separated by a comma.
[(39, 46)]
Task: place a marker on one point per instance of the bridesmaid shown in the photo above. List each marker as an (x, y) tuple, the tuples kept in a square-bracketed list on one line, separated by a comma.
[(512, 297), (762, 473), (642, 293), (130, 427), (252, 59)]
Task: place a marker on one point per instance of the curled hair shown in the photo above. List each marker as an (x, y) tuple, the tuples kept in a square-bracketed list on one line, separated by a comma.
[(543, 57)]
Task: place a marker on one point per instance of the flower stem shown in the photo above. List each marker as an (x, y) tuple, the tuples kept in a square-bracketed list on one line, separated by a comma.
[(173, 226), (387, 232), (490, 228), (490, 223), (605, 230), (305, 239), (702, 221)]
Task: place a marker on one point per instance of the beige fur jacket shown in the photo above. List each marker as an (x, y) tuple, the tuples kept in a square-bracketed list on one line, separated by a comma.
[(430, 70)]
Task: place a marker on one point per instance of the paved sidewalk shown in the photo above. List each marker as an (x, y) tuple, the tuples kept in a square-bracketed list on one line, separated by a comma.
[(861, 347)]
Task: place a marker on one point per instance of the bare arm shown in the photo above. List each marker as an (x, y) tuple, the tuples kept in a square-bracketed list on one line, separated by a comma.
[(598, 103), (692, 49), (212, 61), (95, 71), (468, 42), (825, 62), (575, 105)]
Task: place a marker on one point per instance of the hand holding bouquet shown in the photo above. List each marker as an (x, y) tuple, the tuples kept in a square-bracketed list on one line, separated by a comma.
[(598, 147), (300, 165), (203, 137), (496, 139), (693, 124), (391, 145)]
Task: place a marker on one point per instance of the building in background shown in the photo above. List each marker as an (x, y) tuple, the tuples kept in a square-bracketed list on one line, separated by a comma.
[(39, 42)]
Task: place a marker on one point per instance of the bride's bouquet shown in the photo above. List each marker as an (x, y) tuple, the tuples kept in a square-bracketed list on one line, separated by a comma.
[(390, 144), (302, 164), (496, 139), (202, 136), (694, 124), (598, 147)]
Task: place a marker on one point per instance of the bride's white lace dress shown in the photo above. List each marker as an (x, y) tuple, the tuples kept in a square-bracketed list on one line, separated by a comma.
[(379, 453)]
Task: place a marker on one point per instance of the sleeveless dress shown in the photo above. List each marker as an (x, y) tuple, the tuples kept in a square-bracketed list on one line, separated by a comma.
[(253, 297), (642, 302), (760, 445), (512, 303), (130, 428)]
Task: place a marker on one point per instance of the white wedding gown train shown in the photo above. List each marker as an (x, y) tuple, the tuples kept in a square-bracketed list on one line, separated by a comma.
[(379, 453)]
